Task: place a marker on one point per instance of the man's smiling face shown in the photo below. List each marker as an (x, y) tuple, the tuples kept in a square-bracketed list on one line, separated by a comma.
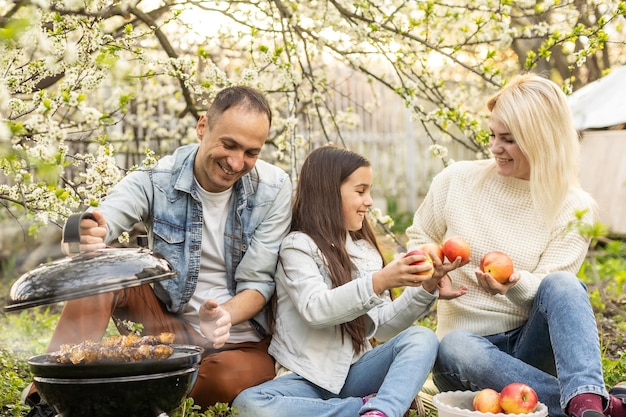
[(229, 146)]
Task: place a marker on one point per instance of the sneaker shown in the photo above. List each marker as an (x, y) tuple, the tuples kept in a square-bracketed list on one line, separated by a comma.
[(368, 397), (374, 413), (29, 396), (619, 391), (41, 410)]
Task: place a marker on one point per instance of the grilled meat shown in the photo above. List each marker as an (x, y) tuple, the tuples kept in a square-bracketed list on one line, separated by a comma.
[(116, 349)]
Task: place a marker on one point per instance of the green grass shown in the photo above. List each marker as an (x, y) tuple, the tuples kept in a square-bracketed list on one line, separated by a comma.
[(14, 376)]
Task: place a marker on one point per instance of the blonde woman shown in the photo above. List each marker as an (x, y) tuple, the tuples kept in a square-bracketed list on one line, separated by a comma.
[(538, 327)]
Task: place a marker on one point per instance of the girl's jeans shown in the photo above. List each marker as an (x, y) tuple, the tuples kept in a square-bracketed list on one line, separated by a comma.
[(557, 351), (395, 370)]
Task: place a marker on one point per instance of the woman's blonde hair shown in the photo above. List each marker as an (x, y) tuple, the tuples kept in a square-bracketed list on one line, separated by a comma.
[(537, 114)]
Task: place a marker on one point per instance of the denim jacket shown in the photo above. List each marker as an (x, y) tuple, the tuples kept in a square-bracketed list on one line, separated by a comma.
[(165, 200)]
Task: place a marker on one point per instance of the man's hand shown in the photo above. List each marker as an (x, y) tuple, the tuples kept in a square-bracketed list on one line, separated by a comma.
[(215, 323), (93, 232)]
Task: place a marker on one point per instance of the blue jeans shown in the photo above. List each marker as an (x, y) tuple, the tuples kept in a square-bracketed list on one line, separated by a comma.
[(395, 370), (557, 351)]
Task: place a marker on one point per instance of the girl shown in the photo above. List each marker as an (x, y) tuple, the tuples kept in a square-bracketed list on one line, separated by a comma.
[(333, 296)]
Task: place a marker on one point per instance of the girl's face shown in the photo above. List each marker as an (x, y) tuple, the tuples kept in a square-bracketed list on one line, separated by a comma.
[(510, 161), (356, 198)]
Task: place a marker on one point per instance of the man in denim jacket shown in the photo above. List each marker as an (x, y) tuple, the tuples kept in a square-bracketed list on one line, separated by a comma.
[(218, 214)]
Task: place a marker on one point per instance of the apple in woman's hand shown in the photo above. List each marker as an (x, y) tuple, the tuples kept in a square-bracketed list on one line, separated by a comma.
[(455, 247), (433, 247), (497, 264)]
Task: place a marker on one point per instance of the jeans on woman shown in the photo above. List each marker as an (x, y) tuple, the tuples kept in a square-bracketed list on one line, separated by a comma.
[(557, 351), (395, 370)]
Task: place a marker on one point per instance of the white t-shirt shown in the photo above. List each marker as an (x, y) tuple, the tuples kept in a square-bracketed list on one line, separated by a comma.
[(212, 276)]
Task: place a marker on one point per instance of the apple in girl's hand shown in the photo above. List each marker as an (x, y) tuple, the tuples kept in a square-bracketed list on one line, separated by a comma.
[(487, 401), (497, 264), (518, 398), (433, 247), (426, 261), (455, 247)]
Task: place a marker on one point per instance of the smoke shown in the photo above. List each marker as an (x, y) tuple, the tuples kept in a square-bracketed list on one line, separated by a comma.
[(28, 332)]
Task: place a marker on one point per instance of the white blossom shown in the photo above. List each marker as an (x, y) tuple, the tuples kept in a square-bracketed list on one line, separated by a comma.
[(98, 93)]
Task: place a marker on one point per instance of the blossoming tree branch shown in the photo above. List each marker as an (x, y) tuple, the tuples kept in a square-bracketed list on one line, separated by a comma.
[(90, 89)]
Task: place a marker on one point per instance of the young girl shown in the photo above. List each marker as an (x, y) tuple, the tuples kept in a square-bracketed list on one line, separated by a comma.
[(332, 297)]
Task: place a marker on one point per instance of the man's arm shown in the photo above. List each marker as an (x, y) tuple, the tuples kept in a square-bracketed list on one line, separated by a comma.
[(244, 305)]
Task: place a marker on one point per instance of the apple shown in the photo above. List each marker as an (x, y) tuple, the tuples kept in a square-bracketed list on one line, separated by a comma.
[(518, 398), (455, 247), (433, 247), (487, 401), (497, 264), (426, 261)]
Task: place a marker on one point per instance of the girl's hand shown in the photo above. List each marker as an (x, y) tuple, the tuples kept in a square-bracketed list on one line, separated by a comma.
[(400, 273)]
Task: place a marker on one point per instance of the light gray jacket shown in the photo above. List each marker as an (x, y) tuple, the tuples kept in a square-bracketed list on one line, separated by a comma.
[(307, 339)]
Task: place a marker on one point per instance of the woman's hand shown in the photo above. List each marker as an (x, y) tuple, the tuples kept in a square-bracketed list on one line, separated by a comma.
[(447, 290), (493, 287), (441, 280)]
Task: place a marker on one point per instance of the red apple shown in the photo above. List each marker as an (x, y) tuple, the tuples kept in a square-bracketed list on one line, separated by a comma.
[(487, 401), (433, 247), (497, 264), (518, 398), (426, 261), (455, 247)]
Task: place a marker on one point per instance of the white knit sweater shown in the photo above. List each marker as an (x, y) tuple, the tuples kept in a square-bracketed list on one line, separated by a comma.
[(496, 214)]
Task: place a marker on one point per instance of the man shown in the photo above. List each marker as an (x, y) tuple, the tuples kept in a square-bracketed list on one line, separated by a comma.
[(218, 214)]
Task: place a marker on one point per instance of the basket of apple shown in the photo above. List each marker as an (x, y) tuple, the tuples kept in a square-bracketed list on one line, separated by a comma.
[(516, 398)]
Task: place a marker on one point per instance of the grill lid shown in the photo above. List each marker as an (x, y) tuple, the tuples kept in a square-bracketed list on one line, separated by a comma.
[(86, 273)]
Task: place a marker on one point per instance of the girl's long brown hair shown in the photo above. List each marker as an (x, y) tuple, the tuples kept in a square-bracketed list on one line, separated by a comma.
[(317, 211)]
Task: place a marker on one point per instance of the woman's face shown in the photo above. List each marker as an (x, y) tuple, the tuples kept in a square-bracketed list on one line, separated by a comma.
[(510, 161), (356, 198)]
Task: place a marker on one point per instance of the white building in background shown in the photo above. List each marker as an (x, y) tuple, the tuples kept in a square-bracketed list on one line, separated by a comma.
[(599, 111)]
